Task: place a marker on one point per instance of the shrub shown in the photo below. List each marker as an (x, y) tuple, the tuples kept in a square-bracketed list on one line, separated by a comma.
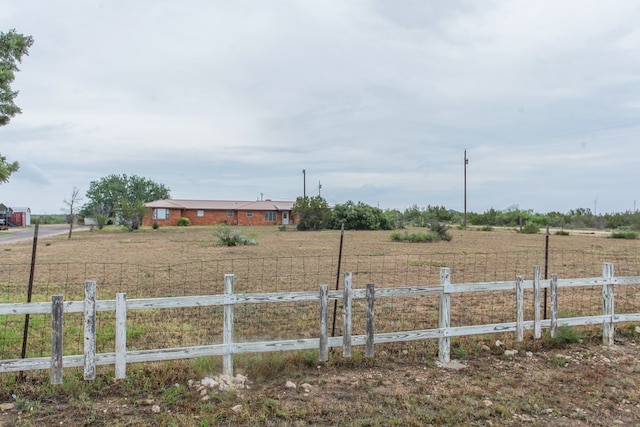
[(530, 228), (562, 233), (227, 237), (441, 230), (101, 221), (487, 228), (155, 225), (184, 222), (565, 336), (415, 237), (624, 234)]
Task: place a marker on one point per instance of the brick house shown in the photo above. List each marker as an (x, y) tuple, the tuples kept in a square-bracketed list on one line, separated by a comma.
[(211, 212)]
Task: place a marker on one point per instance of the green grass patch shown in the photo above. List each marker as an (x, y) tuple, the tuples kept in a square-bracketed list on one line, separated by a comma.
[(624, 234)]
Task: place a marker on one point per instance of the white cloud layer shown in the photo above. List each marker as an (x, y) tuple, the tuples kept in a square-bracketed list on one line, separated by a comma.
[(376, 100)]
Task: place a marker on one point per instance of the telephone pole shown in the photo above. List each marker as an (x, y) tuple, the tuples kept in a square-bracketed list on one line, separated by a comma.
[(466, 162), (304, 183)]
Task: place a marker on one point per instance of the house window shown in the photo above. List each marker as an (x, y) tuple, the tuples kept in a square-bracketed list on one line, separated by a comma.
[(200, 212), (161, 213), (229, 213), (249, 213), (270, 216)]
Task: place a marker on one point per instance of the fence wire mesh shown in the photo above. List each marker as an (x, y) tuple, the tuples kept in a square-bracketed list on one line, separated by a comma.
[(150, 329)]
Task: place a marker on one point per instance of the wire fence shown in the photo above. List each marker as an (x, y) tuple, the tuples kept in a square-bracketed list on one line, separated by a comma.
[(151, 329)]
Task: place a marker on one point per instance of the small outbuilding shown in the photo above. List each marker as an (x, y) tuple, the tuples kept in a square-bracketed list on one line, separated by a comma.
[(21, 216), (210, 212)]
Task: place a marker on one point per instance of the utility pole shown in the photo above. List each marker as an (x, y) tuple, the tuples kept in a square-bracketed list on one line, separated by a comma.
[(319, 188), (466, 162), (304, 183)]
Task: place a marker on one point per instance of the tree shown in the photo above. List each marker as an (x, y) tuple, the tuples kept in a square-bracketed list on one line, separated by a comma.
[(13, 47), (359, 216), (130, 213), (107, 194), (7, 168), (71, 209), (312, 213)]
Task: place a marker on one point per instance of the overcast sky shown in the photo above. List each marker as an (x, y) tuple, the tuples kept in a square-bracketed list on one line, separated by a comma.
[(376, 100)]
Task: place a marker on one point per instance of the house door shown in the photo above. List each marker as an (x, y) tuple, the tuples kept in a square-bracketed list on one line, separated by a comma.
[(285, 218)]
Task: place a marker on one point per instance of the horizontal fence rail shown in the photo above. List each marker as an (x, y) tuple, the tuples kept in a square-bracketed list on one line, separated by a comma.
[(445, 291)]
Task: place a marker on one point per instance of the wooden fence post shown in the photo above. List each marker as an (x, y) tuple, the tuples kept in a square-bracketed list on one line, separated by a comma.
[(370, 293), (121, 335), (444, 343), (554, 305), (227, 335), (519, 309), (608, 330), (57, 309), (537, 312), (90, 330), (346, 316), (324, 324)]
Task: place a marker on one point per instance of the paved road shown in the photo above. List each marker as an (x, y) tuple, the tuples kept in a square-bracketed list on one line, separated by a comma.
[(44, 231)]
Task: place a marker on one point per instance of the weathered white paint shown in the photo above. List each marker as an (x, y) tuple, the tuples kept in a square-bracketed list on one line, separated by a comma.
[(554, 305), (607, 304), (121, 336), (519, 309), (346, 316), (323, 355), (57, 333), (370, 332), (444, 343), (227, 334), (90, 330), (537, 308)]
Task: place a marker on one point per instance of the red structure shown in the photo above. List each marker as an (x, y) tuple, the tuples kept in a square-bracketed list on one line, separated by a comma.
[(211, 212)]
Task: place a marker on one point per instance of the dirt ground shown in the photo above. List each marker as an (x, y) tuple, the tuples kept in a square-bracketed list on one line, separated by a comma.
[(543, 384)]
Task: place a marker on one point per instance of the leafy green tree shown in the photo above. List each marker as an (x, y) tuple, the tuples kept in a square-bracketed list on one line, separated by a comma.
[(312, 213), (7, 168), (106, 195), (131, 212), (13, 47), (359, 216)]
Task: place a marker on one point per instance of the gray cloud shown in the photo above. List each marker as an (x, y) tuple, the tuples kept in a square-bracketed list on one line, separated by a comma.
[(376, 100)]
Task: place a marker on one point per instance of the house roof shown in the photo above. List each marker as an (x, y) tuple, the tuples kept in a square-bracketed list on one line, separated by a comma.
[(226, 205)]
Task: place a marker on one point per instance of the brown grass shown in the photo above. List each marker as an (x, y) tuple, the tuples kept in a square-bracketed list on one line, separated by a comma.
[(401, 385)]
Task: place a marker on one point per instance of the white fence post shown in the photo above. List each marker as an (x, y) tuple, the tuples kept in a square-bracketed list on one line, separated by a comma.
[(608, 329), (554, 305), (537, 312), (519, 309), (227, 335), (90, 330), (57, 332), (121, 335), (444, 343), (324, 324), (346, 316), (370, 294)]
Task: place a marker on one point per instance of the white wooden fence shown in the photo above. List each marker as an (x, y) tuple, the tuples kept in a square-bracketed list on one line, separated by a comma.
[(121, 357)]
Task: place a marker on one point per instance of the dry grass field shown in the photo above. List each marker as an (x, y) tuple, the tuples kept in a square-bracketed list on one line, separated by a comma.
[(546, 383)]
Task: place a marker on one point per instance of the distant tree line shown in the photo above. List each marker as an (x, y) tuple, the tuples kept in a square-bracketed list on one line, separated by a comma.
[(314, 213)]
